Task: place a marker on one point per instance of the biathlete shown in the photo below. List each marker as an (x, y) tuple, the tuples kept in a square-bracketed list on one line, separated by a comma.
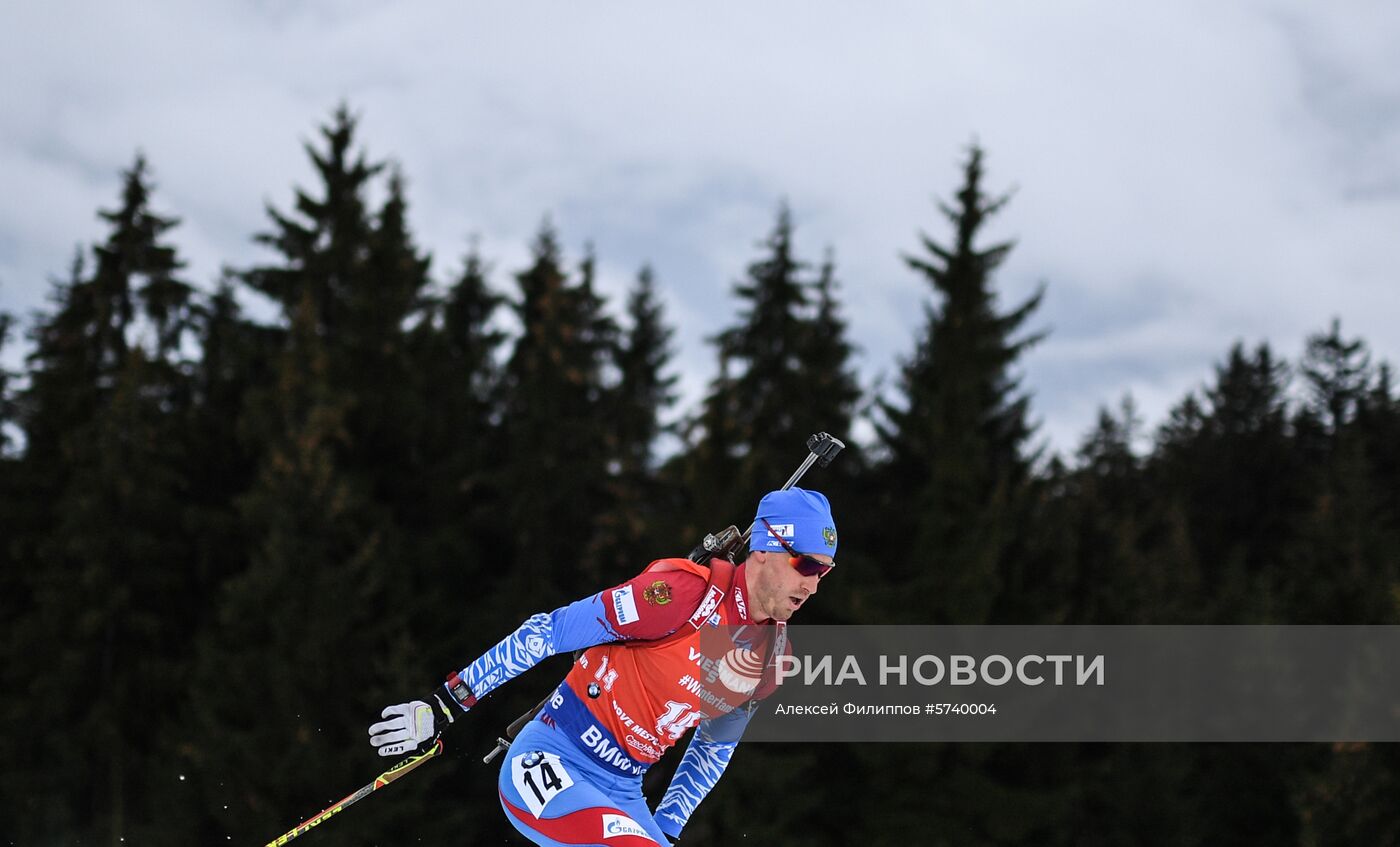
[(649, 673)]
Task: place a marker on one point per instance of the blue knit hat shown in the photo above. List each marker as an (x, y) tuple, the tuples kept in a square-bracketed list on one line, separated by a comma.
[(801, 517)]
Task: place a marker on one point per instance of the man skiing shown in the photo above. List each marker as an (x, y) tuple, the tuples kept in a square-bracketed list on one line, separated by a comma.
[(574, 774)]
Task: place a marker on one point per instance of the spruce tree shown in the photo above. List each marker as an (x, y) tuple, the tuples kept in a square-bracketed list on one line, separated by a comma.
[(300, 626), (34, 792), (391, 412), (753, 403), (1344, 549), (367, 283), (646, 390), (8, 419), (956, 438), (324, 249), (1345, 566), (1226, 460), (828, 356), (459, 501), (15, 595), (1337, 372), (702, 472), (772, 407), (114, 606), (1106, 493), (328, 583), (835, 399), (235, 355), (555, 425), (1122, 557), (953, 525), (784, 374), (1378, 427), (629, 532)]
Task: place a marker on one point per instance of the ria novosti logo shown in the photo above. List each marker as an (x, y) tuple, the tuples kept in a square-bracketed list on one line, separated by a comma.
[(740, 670)]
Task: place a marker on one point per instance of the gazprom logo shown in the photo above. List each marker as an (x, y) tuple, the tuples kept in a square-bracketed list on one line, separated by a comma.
[(624, 607), (615, 826)]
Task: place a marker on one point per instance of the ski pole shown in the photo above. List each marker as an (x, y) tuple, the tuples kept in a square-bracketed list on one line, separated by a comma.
[(379, 782)]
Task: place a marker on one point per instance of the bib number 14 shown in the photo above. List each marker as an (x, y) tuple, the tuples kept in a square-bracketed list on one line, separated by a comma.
[(538, 778), (678, 718)]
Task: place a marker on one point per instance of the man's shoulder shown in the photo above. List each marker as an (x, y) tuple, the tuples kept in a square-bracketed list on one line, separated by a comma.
[(658, 599), (667, 582), (678, 566)]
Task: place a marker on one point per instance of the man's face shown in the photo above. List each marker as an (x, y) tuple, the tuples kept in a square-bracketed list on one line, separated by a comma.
[(775, 587)]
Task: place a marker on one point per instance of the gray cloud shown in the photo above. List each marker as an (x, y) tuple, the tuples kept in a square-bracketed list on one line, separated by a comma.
[(1186, 174)]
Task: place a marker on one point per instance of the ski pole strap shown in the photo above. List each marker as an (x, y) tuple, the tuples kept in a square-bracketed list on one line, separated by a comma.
[(460, 691)]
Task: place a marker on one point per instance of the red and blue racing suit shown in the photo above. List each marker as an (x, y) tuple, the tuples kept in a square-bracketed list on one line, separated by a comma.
[(574, 774)]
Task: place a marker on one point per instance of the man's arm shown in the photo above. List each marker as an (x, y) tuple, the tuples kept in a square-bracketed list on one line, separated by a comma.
[(636, 609), (710, 750), (580, 624), (410, 726)]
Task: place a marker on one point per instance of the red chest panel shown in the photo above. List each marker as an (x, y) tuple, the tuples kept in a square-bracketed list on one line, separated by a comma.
[(647, 694)]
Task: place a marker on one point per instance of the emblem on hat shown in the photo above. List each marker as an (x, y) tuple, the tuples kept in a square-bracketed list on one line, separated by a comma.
[(829, 536)]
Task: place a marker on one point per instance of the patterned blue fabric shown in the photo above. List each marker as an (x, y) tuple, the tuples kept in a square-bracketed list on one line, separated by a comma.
[(580, 624), (701, 767)]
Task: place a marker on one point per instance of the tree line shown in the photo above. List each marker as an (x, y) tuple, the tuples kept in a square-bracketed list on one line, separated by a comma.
[(228, 542)]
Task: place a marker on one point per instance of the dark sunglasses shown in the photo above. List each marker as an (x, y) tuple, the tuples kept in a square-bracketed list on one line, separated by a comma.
[(801, 562)]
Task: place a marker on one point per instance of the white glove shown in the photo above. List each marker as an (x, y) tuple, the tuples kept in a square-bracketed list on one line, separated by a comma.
[(409, 727)]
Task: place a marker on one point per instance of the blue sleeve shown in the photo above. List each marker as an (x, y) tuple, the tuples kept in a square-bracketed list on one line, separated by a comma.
[(580, 624), (710, 749)]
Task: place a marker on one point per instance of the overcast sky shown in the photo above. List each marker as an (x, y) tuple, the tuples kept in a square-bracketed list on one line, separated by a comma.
[(1185, 174)]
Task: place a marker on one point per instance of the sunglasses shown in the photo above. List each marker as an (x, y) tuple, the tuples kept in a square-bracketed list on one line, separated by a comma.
[(801, 562)]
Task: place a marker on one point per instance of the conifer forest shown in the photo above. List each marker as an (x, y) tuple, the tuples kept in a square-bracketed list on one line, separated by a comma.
[(228, 540)]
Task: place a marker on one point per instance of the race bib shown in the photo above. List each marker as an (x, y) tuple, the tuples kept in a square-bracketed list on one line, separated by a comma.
[(538, 778)]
